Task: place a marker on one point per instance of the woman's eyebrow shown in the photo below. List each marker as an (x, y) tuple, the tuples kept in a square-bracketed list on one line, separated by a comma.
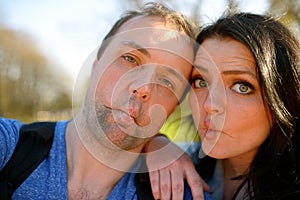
[(238, 72)]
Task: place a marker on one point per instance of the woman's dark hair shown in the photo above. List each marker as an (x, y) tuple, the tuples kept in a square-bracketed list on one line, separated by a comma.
[(275, 171)]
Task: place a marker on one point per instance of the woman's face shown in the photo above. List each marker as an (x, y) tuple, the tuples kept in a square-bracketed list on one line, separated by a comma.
[(226, 100)]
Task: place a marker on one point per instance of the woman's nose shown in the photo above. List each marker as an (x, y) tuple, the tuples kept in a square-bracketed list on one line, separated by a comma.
[(215, 101)]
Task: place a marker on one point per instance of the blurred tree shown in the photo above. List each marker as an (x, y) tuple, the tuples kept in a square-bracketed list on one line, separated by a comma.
[(193, 7), (289, 13), (27, 83)]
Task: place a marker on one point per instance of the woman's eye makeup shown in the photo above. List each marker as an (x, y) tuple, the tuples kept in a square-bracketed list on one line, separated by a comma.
[(199, 82), (239, 81), (242, 87)]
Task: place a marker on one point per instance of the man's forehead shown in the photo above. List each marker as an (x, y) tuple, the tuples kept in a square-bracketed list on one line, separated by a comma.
[(143, 22), (151, 33)]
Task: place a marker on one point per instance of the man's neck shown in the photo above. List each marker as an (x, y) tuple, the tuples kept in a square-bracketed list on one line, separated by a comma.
[(87, 176)]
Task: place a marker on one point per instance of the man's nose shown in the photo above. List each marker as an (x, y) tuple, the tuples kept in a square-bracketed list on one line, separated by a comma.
[(142, 93)]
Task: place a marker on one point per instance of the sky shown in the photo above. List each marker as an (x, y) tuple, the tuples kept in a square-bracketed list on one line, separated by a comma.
[(68, 31)]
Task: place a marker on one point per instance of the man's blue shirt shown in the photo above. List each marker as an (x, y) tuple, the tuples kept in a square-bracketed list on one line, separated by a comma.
[(49, 180)]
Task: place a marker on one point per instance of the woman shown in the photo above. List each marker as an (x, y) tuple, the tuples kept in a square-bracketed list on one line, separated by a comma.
[(245, 101)]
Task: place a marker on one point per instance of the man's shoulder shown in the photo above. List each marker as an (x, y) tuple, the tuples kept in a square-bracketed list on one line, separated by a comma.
[(10, 126), (9, 135), (49, 178)]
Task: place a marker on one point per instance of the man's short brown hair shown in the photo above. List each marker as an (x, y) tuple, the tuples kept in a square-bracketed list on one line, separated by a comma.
[(170, 16)]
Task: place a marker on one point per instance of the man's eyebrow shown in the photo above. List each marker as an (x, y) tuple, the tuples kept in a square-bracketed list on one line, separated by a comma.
[(175, 73), (136, 46)]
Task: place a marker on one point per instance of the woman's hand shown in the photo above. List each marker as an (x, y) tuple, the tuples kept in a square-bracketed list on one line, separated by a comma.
[(168, 167)]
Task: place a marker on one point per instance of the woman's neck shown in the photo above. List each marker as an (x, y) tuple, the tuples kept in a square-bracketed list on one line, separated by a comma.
[(233, 168)]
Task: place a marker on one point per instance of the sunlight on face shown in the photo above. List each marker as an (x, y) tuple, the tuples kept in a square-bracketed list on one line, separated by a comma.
[(135, 85)]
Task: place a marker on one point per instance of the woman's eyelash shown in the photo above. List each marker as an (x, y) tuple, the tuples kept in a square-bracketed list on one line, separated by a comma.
[(243, 87), (199, 82), (245, 83)]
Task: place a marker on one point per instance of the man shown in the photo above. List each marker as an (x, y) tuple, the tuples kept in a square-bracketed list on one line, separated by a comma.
[(140, 72)]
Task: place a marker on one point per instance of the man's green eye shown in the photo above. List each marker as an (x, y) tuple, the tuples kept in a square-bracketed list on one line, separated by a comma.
[(167, 83)]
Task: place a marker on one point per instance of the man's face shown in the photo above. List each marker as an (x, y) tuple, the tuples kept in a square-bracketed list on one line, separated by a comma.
[(137, 82)]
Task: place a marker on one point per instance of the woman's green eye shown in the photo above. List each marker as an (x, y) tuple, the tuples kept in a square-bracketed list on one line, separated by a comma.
[(130, 59), (199, 83), (242, 88)]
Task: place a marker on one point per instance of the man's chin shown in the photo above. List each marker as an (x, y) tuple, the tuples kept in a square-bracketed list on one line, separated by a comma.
[(122, 141)]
